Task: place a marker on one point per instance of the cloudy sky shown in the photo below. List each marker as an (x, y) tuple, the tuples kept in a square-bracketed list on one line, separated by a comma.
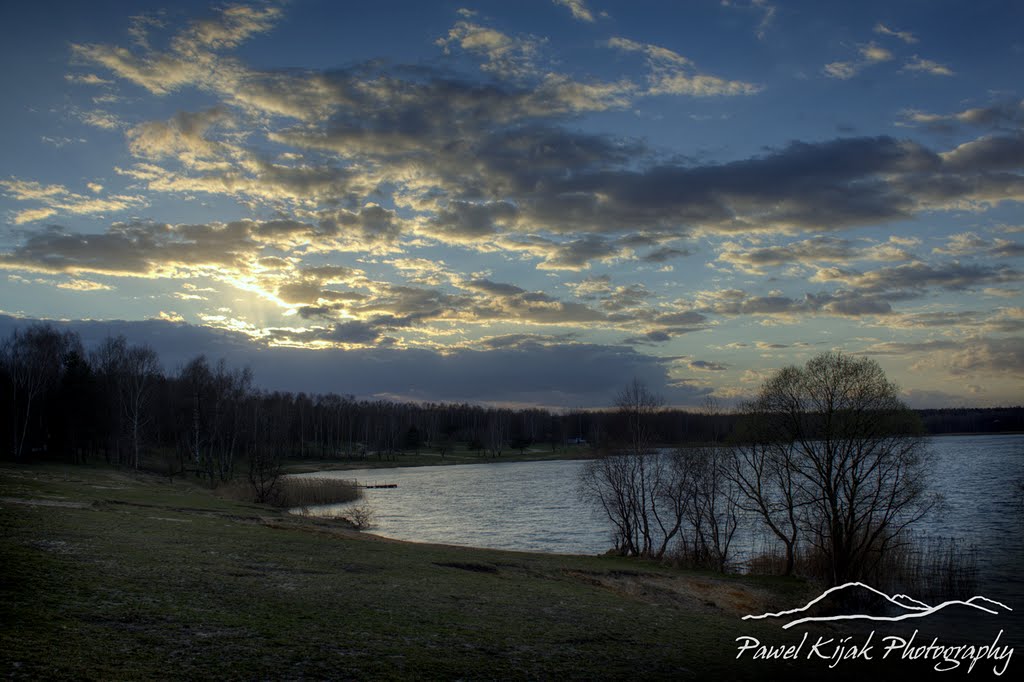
[(525, 202)]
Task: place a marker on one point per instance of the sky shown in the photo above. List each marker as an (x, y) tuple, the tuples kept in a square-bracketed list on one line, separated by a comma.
[(524, 203)]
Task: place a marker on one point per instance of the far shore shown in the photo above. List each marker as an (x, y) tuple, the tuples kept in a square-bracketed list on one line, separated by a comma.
[(427, 457)]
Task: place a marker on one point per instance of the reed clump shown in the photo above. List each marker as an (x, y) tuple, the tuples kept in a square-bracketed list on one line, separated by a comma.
[(308, 491)]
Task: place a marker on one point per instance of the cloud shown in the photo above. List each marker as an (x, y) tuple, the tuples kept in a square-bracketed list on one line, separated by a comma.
[(988, 153), (184, 137), (962, 244), (968, 356), (193, 53), (84, 285), (674, 74), (651, 338), (870, 54), (873, 52), (103, 120), (57, 199), (706, 366), (842, 70), (913, 279), (927, 320), (396, 162), (919, 65), (1006, 116), (145, 249), (495, 166), (841, 303), (906, 36), (505, 56), (578, 8), (86, 79), (556, 375), (811, 251), (767, 13)]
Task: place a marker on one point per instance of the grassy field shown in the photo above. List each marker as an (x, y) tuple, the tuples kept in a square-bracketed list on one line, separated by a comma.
[(114, 575)]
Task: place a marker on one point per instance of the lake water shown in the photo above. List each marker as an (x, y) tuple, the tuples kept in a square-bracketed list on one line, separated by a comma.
[(533, 506)]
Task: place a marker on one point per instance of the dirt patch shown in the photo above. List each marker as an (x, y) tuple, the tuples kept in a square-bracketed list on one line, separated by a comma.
[(40, 502), (681, 591), (468, 566)]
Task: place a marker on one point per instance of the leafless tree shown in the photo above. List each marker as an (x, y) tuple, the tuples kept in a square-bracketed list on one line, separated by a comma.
[(108, 361), (217, 411), (764, 473), (496, 432), (268, 445), (709, 499), (138, 376), (637, 487), (848, 456)]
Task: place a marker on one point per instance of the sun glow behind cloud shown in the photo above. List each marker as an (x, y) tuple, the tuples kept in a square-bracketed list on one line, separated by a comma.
[(515, 191)]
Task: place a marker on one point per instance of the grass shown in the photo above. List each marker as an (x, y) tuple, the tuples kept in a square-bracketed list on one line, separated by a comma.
[(110, 575)]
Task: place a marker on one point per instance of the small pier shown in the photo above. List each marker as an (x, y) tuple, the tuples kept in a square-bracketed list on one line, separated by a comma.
[(376, 485)]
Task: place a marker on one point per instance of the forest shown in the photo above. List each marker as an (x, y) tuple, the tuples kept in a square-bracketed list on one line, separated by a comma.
[(115, 403)]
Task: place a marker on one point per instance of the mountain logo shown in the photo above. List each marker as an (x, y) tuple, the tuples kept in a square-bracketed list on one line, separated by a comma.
[(907, 607)]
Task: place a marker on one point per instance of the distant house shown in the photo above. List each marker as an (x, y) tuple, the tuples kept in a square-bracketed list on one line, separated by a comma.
[(576, 441)]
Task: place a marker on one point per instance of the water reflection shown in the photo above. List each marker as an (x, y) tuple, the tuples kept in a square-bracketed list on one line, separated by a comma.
[(533, 506)]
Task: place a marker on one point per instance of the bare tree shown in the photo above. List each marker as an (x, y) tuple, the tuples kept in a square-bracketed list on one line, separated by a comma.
[(217, 412), (763, 471), (709, 501), (138, 376), (636, 487), (847, 452), (268, 445), (496, 432)]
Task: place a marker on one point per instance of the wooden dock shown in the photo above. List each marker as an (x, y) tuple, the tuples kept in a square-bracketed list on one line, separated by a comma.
[(377, 485)]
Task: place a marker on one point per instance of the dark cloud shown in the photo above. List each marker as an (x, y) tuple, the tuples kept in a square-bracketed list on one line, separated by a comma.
[(706, 366), (493, 288), (649, 339), (841, 302), (136, 249), (987, 155), (820, 249), (915, 278), (665, 254), (461, 220), (687, 317), (1000, 356), (1000, 116), (555, 375), (355, 332)]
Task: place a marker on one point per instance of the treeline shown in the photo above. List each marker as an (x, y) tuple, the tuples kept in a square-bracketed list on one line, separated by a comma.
[(116, 403), (61, 401), (711, 425), (973, 420)]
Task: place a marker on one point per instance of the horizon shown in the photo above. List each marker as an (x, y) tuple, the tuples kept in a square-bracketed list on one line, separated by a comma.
[(524, 205)]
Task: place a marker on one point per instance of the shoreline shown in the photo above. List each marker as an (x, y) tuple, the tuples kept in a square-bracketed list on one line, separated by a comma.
[(313, 465)]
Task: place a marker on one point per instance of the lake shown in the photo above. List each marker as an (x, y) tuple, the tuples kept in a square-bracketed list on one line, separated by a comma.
[(533, 506)]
